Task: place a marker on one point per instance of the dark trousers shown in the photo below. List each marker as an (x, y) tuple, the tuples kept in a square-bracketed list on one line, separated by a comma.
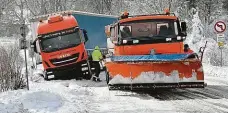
[(97, 67)]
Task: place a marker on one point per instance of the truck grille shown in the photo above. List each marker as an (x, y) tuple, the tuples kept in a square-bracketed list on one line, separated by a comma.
[(66, 60)]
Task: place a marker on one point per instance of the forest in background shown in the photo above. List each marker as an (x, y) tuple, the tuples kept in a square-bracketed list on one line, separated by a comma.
[(200, 16)]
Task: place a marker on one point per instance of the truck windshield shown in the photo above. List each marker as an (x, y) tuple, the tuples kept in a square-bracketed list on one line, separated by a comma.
[(149, 29), (60, 40)]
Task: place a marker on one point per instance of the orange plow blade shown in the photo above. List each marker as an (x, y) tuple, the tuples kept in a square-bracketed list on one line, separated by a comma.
[(152, 75)]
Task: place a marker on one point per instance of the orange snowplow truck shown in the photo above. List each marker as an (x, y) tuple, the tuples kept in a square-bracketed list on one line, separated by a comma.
[(148, 52), (62, 47)]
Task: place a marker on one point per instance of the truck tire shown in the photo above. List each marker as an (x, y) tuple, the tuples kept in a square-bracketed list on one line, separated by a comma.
[(46, 76), (57, 75), (77, 74), (88, 75)]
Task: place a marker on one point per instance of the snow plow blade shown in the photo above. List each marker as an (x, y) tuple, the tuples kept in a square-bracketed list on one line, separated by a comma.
[(155, 71)]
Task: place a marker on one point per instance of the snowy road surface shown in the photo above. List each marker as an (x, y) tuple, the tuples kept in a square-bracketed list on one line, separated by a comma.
[(71, 96)]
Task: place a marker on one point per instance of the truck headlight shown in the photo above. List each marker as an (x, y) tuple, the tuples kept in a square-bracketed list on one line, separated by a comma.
[(84, 68)]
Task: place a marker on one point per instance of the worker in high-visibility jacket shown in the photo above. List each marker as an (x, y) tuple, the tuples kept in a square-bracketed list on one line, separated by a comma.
[(97, 57)]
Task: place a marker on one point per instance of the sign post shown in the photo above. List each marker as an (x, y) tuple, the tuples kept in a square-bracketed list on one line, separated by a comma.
[(220, 28), (24, 46)]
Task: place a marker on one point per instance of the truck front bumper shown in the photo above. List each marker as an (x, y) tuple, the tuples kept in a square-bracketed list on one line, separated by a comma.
[(71, 67)]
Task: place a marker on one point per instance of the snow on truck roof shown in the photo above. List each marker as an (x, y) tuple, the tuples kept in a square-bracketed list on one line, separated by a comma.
[(44, 17)]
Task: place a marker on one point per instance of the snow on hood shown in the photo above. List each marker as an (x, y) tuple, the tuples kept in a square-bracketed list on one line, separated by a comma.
[(154, 77)]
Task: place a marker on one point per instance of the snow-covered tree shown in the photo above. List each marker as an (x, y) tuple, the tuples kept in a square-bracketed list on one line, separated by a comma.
[(197, 30)]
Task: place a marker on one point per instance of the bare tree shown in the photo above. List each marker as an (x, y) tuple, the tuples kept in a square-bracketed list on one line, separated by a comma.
[(11, 77)]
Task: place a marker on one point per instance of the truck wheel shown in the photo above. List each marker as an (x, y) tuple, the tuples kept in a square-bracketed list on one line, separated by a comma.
[(88, 76), (78, 74), (57, 75), (46, 76)]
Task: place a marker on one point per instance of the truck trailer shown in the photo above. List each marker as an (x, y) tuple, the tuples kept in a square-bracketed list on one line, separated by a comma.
[(64, 39)]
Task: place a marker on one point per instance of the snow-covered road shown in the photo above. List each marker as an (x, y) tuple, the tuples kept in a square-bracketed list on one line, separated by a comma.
[(71, 96)]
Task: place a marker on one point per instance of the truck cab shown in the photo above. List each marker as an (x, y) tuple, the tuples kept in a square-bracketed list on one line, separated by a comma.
[(61, 44), (141, 34)]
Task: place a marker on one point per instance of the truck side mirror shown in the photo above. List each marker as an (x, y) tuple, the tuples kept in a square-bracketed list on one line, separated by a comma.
[(184, 28), (85, 35), (108, 31), (33, 45)]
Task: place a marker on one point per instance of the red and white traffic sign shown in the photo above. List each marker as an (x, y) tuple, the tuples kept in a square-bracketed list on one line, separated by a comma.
[(220, 27)]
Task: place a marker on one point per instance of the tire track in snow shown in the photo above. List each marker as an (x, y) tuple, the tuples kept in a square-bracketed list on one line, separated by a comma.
[(210, 93), (182, 102), (220, 90), (219, 105), (203, 92), (191, 100), (195, 95), (195, 98)]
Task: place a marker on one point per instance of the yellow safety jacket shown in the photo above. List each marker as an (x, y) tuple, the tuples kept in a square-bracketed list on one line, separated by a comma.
[(97, 55)]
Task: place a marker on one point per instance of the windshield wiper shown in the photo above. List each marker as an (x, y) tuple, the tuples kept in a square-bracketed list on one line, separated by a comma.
[(138, 38), (50, 50), (70, 45), (163, 36), (154, 37)]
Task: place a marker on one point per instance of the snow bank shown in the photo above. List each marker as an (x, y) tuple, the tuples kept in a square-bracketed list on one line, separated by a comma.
[(37, 74), (42, 101), (154, 77), (215, 75), (70, 96), (12, 108), (215, 71), (55, 96), (46, 97)]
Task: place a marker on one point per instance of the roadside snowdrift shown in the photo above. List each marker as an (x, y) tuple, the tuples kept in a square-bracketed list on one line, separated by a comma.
[(71, 96), (216, 71)]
